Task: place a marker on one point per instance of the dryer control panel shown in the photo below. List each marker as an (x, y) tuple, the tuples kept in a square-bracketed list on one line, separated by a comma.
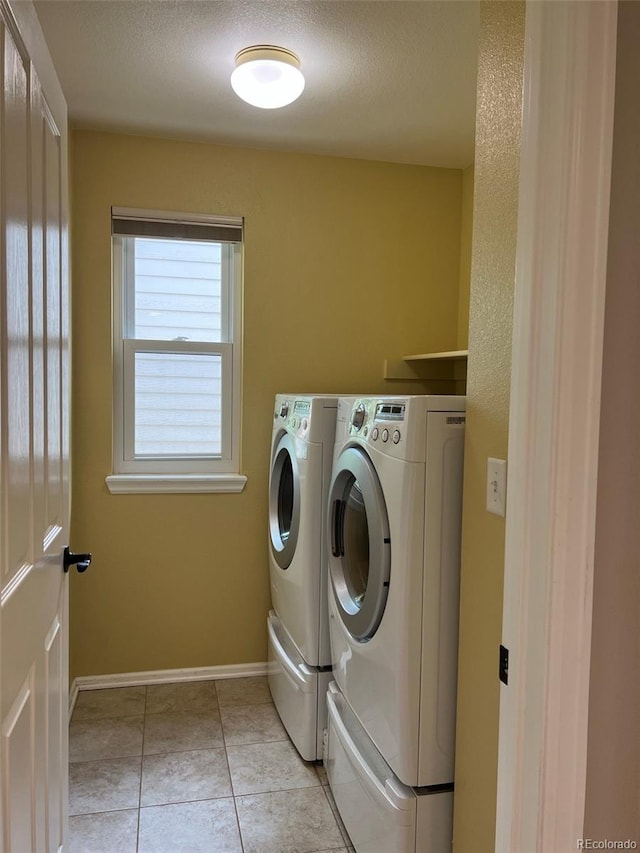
[(390, 416), (398, 427), (390, 411), (367, 417)]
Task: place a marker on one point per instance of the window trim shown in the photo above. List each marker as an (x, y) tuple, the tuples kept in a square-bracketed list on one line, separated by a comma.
[(146, 484), (187, 474)]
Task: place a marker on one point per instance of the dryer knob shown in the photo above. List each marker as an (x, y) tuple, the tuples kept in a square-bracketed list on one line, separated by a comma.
[(284, 410), (358, 416)]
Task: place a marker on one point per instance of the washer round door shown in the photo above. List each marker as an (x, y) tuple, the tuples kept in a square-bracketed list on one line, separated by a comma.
[(284, 502), (360, 561)]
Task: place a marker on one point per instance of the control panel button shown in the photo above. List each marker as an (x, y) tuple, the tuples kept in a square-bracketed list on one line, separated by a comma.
[(375, 433), (305, 423), (284, 410), (358, 416), (385, 435), (396, 436)]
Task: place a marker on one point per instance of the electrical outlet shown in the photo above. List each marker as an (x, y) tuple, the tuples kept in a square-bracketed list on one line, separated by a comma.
[(496, 486)]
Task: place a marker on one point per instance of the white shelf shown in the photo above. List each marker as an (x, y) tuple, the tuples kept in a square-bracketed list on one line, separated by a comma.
[(429, 366), (452, 355)]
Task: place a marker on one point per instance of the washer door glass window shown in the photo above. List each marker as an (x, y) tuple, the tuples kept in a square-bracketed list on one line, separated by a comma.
[(284, 502), (360, 561)]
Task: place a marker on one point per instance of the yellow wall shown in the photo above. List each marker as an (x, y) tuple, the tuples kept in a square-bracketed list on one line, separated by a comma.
[(499, 95), (466, 233), (346, 263)]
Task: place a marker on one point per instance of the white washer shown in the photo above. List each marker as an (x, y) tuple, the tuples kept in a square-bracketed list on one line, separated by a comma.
[(299, 650), (394, 519)]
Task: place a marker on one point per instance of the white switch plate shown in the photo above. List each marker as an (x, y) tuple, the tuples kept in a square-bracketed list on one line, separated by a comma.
[(496, 486)]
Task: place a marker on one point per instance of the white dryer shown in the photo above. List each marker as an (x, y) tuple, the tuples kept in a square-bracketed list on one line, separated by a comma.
[(379, 812), (394, 522), (299, 650)]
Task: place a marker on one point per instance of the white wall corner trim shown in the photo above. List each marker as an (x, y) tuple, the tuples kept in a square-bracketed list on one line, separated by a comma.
[(554, 420), (169, 676)]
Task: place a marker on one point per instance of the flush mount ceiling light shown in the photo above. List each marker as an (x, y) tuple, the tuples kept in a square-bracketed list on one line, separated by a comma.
[(267, 77)]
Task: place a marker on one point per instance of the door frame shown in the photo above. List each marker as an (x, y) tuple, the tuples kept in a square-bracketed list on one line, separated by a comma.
[(563, 217)]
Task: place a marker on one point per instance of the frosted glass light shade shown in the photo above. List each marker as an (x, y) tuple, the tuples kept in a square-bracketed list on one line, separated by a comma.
[(267, 77)]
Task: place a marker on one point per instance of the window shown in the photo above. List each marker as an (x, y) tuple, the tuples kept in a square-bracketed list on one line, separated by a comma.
[(176, 352)]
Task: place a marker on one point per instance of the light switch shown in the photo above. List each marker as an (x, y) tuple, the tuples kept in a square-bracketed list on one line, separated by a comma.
[(496, 486)]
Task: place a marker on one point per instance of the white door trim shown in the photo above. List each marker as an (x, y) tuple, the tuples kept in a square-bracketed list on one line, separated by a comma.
[(28, 25), (554, 422)]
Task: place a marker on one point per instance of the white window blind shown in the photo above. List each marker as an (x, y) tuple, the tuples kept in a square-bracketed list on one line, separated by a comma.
[(176, 344), (178, 405), (177, 290)]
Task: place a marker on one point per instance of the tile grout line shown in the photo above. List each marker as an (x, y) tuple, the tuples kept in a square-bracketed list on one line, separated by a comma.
[(144, 730), (226, 758)]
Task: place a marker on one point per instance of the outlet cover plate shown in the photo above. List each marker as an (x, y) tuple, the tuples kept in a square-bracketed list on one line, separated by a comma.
[(496, 486)]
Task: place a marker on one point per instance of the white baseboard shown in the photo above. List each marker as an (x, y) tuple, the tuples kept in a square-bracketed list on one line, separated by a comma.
[(73, 695), (164, 676)]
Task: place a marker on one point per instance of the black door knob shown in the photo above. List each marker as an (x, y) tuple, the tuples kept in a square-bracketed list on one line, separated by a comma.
[(80, 561)]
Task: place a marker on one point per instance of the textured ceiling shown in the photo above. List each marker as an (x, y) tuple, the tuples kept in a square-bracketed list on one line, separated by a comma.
[(385, 80)]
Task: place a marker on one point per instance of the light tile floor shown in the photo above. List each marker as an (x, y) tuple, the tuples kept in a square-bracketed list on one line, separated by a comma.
[(203, 767)]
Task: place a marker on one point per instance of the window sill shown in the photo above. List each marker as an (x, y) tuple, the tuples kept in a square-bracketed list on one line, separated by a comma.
[(148, 484)]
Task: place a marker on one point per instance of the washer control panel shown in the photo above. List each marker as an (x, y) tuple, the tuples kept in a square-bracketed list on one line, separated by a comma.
[(293, 414)]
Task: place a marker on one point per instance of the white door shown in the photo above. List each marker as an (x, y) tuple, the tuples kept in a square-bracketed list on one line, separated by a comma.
[(34, 430)]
